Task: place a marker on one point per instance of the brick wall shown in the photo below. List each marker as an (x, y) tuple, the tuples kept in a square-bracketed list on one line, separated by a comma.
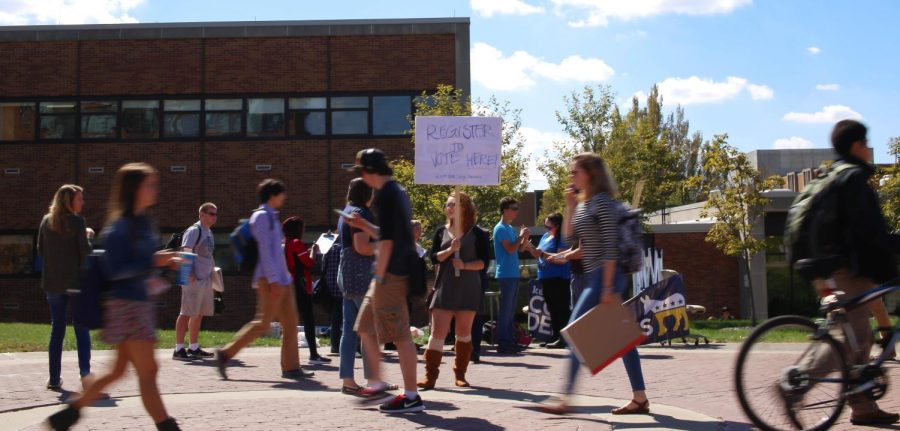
[(711, 279), (38, 69)]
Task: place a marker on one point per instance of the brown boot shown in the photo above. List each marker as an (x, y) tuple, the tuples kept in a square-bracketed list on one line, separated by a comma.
[(463, 354), (432, 369)]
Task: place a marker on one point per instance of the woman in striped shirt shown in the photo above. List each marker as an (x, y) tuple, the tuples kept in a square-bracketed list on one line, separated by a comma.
[(591, 222)]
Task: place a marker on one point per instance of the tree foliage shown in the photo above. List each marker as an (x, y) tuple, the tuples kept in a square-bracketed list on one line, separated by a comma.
[(641, 145), (889, 191), (428, 200)]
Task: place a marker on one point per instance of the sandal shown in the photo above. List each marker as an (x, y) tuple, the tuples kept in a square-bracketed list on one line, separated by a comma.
[(347, 390), (641, 409)]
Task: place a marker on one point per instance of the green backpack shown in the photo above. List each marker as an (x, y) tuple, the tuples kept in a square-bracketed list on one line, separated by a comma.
[(812, 233)]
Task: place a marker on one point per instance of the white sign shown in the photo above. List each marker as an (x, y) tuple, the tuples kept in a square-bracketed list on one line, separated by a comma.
[(458, 150)]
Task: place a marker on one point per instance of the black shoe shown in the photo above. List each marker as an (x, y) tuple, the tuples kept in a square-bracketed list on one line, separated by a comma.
[(508, 350), (559, 344), (878, 417), (54, 386), (168, 425), (402, 404), (181, 355), (319, 360), (221, 363), (390, 346), (297, 374), (63, 419), (199, 354)]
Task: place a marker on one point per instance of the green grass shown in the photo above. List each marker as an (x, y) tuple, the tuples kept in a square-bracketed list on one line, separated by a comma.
[(735, 331)]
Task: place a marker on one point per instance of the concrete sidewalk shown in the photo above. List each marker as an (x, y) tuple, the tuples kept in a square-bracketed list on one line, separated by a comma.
[(689, 388)]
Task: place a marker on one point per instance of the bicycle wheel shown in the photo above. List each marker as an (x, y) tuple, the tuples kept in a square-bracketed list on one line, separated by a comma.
[(791, 386)]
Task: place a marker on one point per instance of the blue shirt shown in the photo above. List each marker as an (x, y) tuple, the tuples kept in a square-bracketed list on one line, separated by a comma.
[(130, 243), (507, 263), (267, 232), (552, 270)]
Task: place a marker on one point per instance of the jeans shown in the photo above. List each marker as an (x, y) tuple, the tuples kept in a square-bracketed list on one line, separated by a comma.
[(579, 282), (589, 299), (350, 339), (305, 307), (58, 304), (509, 290)]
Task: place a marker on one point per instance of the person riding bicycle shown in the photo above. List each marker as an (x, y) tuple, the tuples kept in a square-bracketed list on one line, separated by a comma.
[(862, 258)]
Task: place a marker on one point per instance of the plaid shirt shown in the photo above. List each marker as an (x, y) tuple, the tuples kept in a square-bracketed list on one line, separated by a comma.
[(330, 263)]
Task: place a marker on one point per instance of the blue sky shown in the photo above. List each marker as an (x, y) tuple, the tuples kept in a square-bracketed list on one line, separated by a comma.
[(771, 74)]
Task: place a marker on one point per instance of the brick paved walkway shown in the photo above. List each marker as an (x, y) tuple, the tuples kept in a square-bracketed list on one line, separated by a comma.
[(690, 388)]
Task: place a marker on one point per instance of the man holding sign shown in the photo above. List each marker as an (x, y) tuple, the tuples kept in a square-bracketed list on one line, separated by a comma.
[(384, 316)]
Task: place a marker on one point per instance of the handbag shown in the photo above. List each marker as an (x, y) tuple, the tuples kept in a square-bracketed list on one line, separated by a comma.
[(218, 303)]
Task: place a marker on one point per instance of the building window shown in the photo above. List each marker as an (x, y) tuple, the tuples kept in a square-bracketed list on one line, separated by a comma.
[(58, 120), (181, 118), (16, 254), (17, 121), (306, 116), (223, 117), (350, 115), (265, 117), (98, 119), (140, 119), (389, 115)]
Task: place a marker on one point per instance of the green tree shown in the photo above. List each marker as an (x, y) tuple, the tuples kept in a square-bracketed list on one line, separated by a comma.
[(890, 191), (737, 205), (428, 200)]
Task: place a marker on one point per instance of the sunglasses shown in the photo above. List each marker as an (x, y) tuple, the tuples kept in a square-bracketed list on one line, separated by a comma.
[(212, 214), (513, 208), (549, 226), (450, 205)]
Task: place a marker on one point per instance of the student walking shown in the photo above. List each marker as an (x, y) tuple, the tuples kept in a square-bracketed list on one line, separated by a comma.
[(64, 243), (130, 240)]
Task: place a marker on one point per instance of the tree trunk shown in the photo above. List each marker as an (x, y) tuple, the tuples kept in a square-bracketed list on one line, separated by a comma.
[(750, 287)]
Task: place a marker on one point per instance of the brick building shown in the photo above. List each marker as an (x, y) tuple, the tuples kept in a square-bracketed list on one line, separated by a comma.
[(216, 107)]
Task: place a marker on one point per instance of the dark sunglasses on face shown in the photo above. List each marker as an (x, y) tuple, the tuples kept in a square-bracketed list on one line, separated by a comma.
[(212, 214), (513, 208)]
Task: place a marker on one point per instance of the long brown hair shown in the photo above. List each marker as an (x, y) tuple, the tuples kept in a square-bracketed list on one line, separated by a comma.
[(602, 180), (125, 185), (468, 215), (62, 207)]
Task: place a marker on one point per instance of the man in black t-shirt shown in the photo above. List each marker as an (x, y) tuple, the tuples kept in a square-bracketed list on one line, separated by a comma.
[(384, 316)]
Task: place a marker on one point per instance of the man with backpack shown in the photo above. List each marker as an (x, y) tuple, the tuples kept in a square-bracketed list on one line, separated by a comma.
[(844, 246), (273, 284), (197, 295)]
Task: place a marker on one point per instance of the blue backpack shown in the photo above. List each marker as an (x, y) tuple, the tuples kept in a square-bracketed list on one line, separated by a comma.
[(243, 246), (87, 306)]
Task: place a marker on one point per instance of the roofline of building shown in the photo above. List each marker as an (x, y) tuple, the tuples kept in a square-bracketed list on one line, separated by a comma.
[(179, 30)]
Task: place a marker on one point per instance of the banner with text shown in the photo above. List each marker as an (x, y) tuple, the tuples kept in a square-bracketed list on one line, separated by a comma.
[(538, 315), (458, 150), (661, 310)]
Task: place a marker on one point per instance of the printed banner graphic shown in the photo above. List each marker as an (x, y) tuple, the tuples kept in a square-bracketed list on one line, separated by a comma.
[(458, 150), (538, 315), (661, 310)]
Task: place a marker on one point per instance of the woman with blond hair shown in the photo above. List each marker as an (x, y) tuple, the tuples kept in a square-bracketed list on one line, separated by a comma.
[(129, 315), (459, 255), (63, 245), (591, 221)]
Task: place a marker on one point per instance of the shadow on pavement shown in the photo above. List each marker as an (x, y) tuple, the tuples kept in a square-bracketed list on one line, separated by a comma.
[(504, 394), (450, 424), (656, 357), (514, 364)]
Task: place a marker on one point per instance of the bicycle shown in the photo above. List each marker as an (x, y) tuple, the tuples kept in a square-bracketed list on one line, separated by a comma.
[(810, 392)]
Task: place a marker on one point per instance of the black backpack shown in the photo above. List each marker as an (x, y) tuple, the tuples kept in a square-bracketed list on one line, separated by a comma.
[(176, 240)]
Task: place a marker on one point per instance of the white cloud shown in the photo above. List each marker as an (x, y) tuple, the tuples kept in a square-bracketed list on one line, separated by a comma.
[(813, 50), (518, 71), (24, 12), (828, 87), (487, 8), (598, 12), (694, 90), (760, 92), (792, 143), (828, 114), (536, 143)]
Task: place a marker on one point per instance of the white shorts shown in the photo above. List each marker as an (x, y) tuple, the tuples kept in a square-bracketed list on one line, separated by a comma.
[(197, 298)]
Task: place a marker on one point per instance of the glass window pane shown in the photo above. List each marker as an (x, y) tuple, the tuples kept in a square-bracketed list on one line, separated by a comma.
[(223, 124), (389, 115), (58, 126), (224, 105), (99, 106), (140, 119), (350, 122), (136, 104), (17, 121), (98, 126), (307, 103), (57, 107), (16, 254), (349, 102), (306, 123), (182, 105), (265, 117), (181, 125)]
